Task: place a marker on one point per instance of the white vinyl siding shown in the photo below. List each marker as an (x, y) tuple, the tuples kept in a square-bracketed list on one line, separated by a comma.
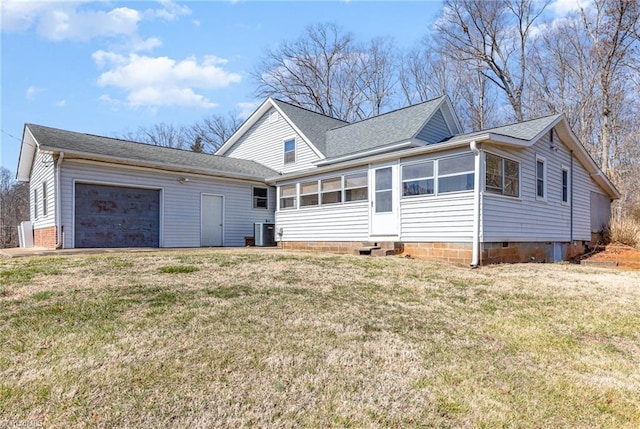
[(180, 203), (335, 222), (42, 171), (526, 219), (447, 218), (264, 143)]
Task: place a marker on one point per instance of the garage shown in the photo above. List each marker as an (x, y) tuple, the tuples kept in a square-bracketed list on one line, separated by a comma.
[(116, 216)]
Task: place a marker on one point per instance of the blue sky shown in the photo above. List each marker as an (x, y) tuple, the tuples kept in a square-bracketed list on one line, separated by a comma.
[(107, 67)]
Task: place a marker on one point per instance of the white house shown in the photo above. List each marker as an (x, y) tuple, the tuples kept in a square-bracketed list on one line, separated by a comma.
[(408, 180)]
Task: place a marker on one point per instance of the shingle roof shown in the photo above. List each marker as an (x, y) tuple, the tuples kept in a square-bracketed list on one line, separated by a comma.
[(393, 127), (312, 124), (526, 130), (132, 152)]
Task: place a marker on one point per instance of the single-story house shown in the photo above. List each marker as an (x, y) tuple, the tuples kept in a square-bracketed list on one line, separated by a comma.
[(408, 180)]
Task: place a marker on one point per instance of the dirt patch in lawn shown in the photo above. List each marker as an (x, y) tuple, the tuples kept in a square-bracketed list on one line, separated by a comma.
[(615, 256)]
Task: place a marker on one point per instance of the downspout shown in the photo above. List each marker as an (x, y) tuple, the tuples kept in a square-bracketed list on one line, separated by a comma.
[(475, 256), (58, 203)]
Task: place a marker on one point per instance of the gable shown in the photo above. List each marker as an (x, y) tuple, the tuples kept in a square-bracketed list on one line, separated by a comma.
[(435, 130), (264, 141)]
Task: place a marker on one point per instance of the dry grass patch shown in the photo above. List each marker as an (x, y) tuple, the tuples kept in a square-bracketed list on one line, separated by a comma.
[(267, 338)]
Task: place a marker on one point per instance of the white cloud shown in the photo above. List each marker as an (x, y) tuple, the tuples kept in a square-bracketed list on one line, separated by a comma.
[(162, 81), (82, 20), (32, 91), (76, 25), (61, 103), (562, 8)]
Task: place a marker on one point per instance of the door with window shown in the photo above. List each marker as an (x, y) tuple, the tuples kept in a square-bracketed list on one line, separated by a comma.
[(211, 218), (384, 210)]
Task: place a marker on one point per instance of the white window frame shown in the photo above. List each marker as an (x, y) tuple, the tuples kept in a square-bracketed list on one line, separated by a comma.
[(543, 160), (494, 191), (44, 199), (566, 170), (285, 152), (345, 188), (255, 198), (433, 178), (439, 176), (339, 191), (294, 197), (307, 194)]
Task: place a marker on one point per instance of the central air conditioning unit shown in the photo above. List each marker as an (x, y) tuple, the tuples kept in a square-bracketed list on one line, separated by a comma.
[(264, 234)]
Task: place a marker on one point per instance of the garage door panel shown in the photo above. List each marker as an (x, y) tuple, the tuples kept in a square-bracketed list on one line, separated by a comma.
[(113, 216)]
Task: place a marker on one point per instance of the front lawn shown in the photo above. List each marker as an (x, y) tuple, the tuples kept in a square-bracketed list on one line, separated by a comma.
[(264, 338)]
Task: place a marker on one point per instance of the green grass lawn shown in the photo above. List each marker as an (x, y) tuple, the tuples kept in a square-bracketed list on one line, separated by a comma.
[(251, 338)]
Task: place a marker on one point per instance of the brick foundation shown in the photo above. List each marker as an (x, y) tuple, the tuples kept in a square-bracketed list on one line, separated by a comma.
[(452, 253), (45, 237)]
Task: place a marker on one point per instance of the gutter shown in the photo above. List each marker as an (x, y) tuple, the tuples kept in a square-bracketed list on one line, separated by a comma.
[(58, 202), (475, 256)]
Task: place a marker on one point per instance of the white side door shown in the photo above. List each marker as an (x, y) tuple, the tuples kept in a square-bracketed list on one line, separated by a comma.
[(211, 220), (383, 195)]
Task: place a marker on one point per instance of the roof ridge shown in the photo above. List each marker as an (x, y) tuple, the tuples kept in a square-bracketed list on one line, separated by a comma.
[(308, 110), (390, 112)]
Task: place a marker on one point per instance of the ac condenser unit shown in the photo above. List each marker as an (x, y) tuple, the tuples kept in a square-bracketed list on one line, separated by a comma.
[(264, 234)]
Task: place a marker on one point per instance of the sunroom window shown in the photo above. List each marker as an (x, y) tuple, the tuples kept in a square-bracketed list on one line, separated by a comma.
[(288, 197), (356, 187), (331, 190), (456, 174), (417, 179), (309, 194)]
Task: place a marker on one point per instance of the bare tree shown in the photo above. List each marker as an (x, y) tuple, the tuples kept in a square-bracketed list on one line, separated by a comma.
[(428, 72), (14, 208), (613, 28), (213, 131), (325, 70), (161, 134), (494, 38)]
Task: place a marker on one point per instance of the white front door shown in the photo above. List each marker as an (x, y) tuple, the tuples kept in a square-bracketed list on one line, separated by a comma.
[(211, 220), (384, 211)]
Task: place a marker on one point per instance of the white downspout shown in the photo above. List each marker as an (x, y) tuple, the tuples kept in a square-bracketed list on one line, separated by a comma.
[(58, 203), (475, 256)]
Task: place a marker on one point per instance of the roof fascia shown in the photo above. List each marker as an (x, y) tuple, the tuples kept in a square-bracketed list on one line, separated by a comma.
[(69, 154), (27, 153)]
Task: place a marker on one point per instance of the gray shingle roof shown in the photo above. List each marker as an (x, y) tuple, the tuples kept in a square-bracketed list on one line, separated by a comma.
[(526, 130), (393, 127), (313, 125), (131, 152)]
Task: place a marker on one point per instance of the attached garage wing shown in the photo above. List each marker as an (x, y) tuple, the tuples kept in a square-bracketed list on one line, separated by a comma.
[(116, 216)]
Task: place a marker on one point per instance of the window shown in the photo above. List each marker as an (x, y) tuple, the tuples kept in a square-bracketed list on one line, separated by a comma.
[(456, 174), (309, 194), (288, 197), (541, 173), (331, 190), (290, 151), (565, 185), (384, 190), (35, 203), (260, 198), (44, 198), (417, 179), (502, 176), (355, 187)]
